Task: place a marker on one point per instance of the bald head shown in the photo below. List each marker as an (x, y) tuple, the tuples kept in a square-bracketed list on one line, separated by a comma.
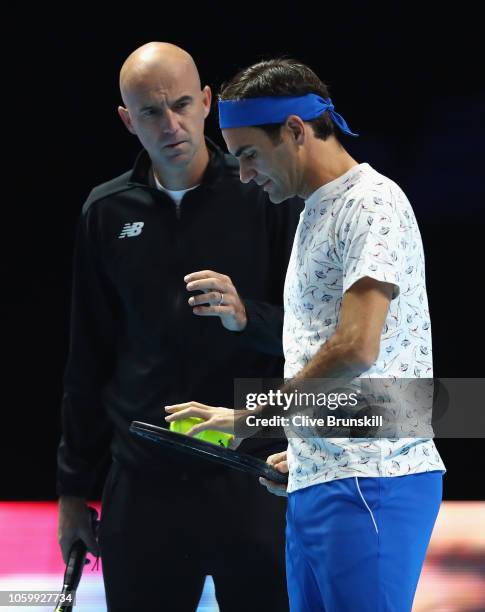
[(157, 61), (165, 107)]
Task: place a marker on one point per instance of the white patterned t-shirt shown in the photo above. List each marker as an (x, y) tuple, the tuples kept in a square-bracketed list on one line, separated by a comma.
[(360, 224)]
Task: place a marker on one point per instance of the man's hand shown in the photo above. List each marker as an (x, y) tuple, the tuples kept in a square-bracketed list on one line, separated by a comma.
[(219, 419), (75, 524), (280, 463), (220, 295)]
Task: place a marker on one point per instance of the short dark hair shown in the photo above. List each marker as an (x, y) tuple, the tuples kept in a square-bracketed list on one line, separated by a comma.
[(279, 77)]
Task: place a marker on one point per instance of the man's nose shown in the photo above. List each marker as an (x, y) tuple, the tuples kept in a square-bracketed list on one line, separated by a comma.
[(169, 124), (246, 174)]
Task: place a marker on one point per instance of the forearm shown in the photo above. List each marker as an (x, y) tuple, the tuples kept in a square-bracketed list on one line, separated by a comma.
[(338, 361), (71, 501), (86, 435)]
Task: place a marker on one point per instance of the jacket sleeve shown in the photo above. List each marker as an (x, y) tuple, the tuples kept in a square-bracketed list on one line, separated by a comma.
[(265, 319), (264, 328), (86, 431)]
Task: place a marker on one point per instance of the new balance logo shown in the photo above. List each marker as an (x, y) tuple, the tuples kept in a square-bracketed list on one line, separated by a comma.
[(131, 229)]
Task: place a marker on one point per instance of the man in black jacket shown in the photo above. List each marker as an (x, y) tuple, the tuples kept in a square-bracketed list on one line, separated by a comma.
[(179, 221)]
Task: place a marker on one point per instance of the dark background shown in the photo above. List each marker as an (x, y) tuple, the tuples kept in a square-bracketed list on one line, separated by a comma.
[(406, 77)]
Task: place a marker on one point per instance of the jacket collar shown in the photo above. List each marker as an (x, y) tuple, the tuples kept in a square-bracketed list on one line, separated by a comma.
[(142, 175)]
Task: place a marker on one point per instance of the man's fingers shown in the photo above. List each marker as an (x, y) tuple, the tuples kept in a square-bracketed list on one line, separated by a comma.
[(190, 409), (213, 298), (276, 458), (91, 543), (234, 443), (213, 311), (219, 299), (85, 534), (282, 467), (178, 407), (209, 284), (89, 539), (274, 488), (218, 418), (280, 463), (202, 274), (209, 422), (271, 484), (186, 413), (205, 284), (201, 427)]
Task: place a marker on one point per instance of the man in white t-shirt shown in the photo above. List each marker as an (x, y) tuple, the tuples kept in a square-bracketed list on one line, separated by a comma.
[(360, 510)]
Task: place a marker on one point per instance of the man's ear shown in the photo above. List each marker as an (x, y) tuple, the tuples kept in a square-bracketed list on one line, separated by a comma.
[(206, 99), (296, 128), (125, 117)]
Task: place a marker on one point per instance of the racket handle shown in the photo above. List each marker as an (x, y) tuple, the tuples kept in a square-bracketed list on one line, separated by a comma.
[(74, 566)]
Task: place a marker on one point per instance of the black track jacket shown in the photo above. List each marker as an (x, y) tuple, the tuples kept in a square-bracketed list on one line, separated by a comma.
[(135, 345)]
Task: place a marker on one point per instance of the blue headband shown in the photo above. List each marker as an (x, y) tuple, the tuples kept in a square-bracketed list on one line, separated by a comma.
[(258, 111)]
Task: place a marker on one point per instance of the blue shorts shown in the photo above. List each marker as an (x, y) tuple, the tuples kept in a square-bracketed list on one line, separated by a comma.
[(358, 544)]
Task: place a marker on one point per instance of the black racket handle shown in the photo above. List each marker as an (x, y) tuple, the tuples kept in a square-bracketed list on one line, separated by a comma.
[(74, 567)]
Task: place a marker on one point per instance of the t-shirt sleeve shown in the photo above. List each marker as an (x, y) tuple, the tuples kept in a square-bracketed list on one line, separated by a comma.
[(369, 239)]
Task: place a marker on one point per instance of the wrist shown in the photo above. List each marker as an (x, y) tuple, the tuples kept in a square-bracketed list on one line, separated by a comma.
[(72, 501), (242, 320), (242, 429), (258, 411)]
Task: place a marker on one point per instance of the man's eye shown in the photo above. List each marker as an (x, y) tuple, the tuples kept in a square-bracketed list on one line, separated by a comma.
[(251, 156), (181, 105)]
